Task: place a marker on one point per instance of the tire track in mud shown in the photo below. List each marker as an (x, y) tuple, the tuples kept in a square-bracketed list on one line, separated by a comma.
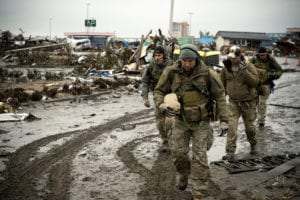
[(160, 181), (22, 177)]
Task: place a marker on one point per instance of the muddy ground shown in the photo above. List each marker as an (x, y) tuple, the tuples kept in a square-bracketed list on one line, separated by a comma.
[(108, 148)]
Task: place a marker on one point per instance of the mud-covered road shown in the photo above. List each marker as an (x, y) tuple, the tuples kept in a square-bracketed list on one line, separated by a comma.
[(108, 148), (25, 175)]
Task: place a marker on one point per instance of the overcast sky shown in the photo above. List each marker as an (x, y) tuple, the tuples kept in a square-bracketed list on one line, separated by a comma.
[(132, 18)]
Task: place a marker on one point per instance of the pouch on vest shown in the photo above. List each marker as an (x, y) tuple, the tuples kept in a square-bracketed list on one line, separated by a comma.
[(196, 113), (192, 114), (262, 75)]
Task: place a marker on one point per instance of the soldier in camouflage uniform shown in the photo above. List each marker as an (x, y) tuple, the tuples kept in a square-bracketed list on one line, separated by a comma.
[(196, 87), (149, 81), (268, 70), (240, 80)]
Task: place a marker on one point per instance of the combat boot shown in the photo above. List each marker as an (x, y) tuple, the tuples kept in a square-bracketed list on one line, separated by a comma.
[(253, 149), (261, 123), (197, 197), (183, 182), (228, 156), (165, 147)]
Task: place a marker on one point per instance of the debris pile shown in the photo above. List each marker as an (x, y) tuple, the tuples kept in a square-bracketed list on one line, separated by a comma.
[(253, 164), (113, 65)]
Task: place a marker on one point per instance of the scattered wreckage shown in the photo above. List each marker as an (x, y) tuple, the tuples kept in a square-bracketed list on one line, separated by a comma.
[(34, 83), (116, 64), (92, 70), (288, 47), (253, 164)]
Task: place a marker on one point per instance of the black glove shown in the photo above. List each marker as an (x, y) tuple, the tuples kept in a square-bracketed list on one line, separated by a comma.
[(273, 76), (227, 63)]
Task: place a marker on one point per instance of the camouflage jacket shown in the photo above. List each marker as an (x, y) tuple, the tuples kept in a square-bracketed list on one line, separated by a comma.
[(195, 90), (151, 75), (242, 85), (267, 67)]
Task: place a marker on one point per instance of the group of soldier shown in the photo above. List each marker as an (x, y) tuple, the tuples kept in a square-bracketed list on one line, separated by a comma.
[(188, 95)]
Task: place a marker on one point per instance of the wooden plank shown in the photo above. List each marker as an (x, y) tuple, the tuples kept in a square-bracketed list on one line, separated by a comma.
[(281, 169), (284, 167), (139, 47), (37, 47)]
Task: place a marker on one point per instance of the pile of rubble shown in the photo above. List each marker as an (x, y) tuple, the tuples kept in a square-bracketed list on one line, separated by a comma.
[(112, 66)]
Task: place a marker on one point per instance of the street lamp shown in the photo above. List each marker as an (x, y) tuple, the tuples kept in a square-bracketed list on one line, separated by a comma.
[(190, 13), (50, 20), (87, 15)]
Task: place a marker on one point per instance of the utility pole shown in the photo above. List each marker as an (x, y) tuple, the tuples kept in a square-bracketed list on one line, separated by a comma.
[(190, 13), (50, 20)]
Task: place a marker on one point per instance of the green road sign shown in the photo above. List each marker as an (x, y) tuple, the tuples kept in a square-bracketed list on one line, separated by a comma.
[(90, 23)]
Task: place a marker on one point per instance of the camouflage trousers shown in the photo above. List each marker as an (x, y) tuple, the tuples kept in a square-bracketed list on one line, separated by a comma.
[(200, 135), (161, 127), (246, 109), (262, 108)]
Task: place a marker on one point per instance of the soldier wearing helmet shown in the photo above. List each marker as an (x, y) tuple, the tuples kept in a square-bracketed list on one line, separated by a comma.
[(196, 87)]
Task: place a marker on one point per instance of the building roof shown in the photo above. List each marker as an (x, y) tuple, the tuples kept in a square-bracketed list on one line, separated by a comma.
[(243, 35), (293, 30), (89, 34)]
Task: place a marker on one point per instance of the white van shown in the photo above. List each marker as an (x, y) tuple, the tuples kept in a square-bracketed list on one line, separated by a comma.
[(81, 44)]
